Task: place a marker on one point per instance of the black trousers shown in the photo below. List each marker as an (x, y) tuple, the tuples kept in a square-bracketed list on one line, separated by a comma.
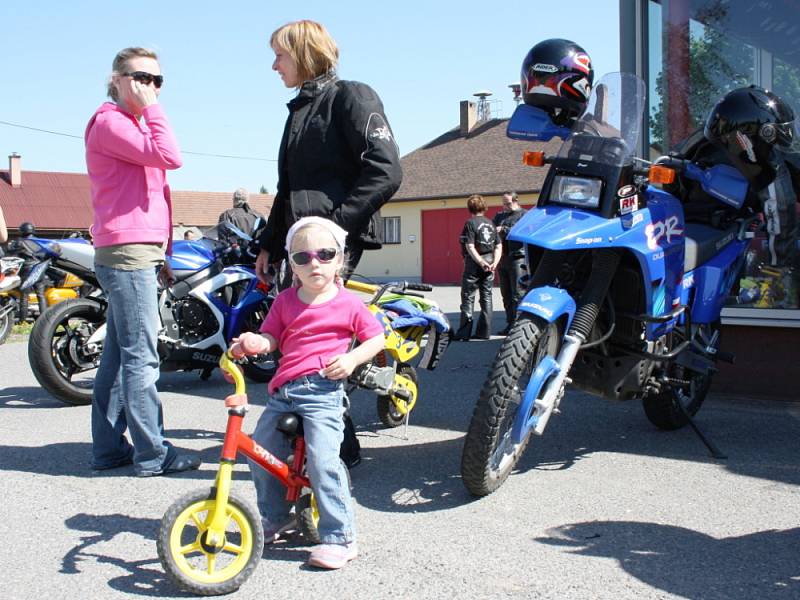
[(475, 279), (509, 272)]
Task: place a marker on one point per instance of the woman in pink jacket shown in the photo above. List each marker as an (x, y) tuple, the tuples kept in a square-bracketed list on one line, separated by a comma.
[(129, 147)]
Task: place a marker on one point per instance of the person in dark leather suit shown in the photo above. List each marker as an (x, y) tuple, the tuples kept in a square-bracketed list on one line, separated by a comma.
[(338, 157), (512, 262)]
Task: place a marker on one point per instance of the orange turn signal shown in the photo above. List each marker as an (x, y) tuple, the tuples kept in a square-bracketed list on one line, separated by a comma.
[(659, 174), (533, 159)]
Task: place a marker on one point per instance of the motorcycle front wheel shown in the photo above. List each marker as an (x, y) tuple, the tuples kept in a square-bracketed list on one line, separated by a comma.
[(57, 350), (490, 453), (6, 323)]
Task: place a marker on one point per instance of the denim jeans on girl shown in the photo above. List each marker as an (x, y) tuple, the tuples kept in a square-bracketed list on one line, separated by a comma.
[(125, 395), (320, 403)]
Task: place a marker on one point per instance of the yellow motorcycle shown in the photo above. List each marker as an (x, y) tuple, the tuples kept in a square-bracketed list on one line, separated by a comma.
[(416, 331)]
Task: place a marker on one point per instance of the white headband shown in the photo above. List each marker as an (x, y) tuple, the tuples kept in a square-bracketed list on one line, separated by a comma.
[(337, 232)]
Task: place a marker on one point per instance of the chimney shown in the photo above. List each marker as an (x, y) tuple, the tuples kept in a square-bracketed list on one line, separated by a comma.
[(15, 169), (469, 116)]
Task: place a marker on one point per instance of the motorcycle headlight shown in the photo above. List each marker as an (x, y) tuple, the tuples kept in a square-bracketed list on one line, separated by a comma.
[(577, 191)]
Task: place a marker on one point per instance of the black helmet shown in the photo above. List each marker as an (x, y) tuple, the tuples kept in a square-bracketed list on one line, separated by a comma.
[(27, 228), (557, 74), (747, 123)]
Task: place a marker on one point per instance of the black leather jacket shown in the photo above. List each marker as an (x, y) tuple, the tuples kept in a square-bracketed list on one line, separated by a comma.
[(338, 159)]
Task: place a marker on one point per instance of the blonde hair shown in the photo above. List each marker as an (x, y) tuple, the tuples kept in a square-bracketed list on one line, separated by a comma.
[(120, 64), (303, 232), (309, 45)]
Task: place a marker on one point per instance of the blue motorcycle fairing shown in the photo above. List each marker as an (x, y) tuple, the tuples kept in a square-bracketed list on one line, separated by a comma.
[(712, 281), (190, 255), (524, 420), (233, 314), (530, 123), (654, 235), (549, 303)]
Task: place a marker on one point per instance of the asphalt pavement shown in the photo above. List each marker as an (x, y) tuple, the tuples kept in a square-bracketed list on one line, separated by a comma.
[(602, 506)]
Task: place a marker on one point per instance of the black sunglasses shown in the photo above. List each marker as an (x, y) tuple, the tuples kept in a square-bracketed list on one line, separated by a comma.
[(323, 255), (146, 78)]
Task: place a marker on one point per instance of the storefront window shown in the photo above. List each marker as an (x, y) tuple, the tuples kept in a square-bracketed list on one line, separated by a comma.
[(698, 50)]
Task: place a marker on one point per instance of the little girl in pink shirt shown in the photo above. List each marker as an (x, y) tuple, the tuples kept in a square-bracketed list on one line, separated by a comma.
[(312, 325)]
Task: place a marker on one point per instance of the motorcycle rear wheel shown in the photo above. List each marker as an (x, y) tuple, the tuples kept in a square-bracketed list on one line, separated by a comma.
[(56, 349), (387, 411), (662, 409), (489, 454)]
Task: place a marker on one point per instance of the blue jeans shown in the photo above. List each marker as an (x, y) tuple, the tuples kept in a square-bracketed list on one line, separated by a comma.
[(125, 395), (320, 403)]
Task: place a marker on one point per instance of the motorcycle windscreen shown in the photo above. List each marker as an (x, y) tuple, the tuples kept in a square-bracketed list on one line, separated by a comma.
[(609, 129)]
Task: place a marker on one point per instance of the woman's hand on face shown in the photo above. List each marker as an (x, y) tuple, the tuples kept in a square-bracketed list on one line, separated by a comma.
[(141, 96)]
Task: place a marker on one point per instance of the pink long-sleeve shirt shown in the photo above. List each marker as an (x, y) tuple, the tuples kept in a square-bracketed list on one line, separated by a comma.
[(127, 162)]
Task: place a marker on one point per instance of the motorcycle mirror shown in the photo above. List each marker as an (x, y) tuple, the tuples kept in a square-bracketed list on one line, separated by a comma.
[(661, 174)]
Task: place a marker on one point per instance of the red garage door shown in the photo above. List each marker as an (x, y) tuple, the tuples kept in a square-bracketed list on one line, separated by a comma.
[(442, 262)]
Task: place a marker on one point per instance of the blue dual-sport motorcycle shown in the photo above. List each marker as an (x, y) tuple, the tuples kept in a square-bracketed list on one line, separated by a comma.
[(214, 298), (624, 297)]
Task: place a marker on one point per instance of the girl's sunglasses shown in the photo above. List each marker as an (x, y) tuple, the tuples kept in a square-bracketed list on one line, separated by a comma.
[(323, 255), (146, 78)]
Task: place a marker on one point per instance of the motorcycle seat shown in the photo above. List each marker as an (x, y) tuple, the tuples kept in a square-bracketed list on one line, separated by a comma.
[(290, 424), (703, 242)]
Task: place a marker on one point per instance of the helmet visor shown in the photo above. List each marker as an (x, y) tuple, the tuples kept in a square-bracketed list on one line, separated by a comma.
[(786, 134)]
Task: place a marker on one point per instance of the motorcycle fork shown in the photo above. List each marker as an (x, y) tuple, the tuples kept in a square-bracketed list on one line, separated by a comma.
[(604, 266)]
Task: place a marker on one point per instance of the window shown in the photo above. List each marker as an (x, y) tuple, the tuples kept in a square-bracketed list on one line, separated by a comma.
[(697, 51), (391, 230)]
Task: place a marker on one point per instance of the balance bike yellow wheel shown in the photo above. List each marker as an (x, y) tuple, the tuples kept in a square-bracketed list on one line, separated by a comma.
[(197, 566)]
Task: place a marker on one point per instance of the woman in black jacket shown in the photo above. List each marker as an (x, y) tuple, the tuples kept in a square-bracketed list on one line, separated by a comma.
[(338, 158)]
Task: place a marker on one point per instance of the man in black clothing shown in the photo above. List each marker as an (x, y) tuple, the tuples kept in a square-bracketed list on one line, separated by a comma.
[(512, 263), (482, 251), (240, 216)]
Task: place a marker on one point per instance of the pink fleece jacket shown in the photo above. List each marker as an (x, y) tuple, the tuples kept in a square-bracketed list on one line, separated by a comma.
[(126, 160)]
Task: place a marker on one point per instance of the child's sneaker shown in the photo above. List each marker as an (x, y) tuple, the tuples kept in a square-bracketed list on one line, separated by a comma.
[(273, 532), (332, 556)]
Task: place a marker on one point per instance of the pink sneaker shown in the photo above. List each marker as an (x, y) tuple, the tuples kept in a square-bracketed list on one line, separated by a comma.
[(332, 556)]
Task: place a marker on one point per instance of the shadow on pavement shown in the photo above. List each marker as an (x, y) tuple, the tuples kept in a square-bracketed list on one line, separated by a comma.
[(143, 578), (71, 459), (688, 563), (28, 397)]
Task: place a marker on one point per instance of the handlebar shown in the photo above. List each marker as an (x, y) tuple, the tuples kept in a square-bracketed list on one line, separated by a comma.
[(395, 287), (231, 368)]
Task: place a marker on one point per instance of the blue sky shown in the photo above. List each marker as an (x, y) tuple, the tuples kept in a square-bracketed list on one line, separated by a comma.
[(222, 96)]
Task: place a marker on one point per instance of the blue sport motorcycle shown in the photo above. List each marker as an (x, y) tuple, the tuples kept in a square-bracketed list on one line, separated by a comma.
[(624, 296), (214, 298)]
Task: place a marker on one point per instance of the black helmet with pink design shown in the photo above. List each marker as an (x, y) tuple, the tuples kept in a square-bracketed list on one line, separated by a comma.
[(557, 76)]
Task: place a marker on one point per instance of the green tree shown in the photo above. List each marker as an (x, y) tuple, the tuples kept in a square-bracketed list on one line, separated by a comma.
[(717, 65), (263, 190)]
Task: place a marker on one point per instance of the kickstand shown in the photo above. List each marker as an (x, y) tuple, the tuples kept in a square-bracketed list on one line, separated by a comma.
[(405, 427), (715, 452)]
